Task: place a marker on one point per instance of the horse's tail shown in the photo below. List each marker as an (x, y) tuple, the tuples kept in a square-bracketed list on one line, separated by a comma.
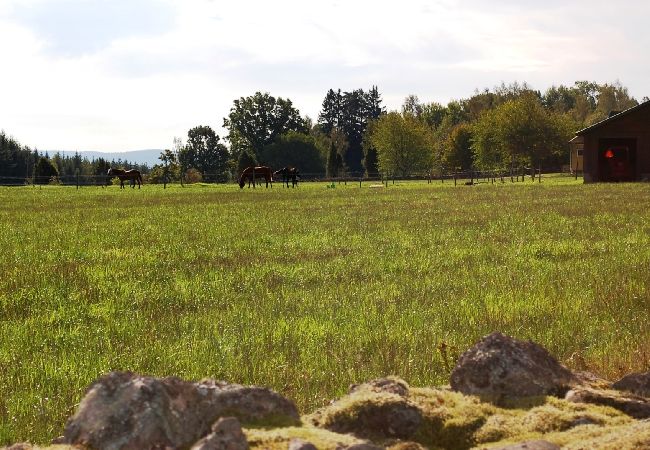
[(139, 178)]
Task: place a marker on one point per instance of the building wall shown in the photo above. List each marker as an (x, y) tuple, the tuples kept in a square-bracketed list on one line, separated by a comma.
[(575, 163), (635, 125)]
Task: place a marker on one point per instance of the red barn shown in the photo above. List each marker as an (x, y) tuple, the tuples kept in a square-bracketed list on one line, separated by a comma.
[(617, 148)]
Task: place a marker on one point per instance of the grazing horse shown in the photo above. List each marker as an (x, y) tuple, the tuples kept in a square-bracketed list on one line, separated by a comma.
[(131, 175), (288, 173), (254, 173)]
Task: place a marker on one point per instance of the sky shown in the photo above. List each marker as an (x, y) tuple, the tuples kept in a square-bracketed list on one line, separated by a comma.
[(119, 75)]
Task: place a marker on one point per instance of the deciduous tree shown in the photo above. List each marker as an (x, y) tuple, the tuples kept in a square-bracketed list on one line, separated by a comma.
[(204, 152), (403, 144), (256, 121), (297, 150)]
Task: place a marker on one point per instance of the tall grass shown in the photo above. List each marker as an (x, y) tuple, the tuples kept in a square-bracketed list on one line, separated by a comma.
[(308, 290)]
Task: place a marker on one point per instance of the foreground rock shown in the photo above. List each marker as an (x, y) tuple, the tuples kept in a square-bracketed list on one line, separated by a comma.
[(499, 367), (391, 385), (126, 411), (531, 445), (637, 407), (299, 444), (637, 383), (226, 435), (377, 409)]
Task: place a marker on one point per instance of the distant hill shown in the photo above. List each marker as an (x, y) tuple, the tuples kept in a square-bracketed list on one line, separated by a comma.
[(148, 157)]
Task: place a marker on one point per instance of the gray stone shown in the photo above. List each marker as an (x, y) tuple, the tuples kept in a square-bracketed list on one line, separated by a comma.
[(126, 411), (499, 367), (299, 444), (391, 417), (531, 445), (637, 407), (392, 385), (361, 446), (637, 383), (226, 435)]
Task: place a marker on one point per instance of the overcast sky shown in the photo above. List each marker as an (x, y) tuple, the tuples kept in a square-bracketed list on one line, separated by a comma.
[(119, 75)]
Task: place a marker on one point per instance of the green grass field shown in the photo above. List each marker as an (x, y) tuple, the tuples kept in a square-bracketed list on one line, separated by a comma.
[(308, 290)]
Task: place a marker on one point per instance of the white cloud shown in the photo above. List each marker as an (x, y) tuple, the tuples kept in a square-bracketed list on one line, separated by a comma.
[(138, 72)]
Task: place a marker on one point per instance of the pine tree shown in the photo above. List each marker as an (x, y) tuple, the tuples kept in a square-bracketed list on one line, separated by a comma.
[(331, 113)]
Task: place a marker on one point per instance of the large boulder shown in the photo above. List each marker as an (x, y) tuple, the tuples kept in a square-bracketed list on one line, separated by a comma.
[(500, 367), (637, 383), (123, 410)]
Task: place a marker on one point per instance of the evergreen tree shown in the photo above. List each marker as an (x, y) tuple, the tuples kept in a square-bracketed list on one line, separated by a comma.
[(45, 171), (350, 113), (331, 112), (353, 125)]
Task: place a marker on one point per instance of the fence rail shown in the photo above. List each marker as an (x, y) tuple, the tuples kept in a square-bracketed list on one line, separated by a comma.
[(466, 177)]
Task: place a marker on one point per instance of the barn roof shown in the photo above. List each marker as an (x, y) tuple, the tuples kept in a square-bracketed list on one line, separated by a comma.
[(614, 117)]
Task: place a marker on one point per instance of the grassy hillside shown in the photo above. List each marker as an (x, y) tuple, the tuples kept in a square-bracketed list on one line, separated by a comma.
[(308, 290)]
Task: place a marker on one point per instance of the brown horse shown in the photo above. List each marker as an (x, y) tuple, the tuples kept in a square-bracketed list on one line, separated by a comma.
[(131, 175), (255, 173), (288, 173)]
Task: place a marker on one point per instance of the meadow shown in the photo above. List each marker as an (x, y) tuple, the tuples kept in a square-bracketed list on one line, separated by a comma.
[(309, 290)]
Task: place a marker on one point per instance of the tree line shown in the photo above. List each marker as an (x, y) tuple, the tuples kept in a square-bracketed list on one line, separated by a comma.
[(265, 130), (354, 135), (19, 163), (494, 129)]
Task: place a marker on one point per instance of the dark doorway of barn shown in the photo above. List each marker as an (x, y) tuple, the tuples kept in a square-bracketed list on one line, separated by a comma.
[(617, 159)]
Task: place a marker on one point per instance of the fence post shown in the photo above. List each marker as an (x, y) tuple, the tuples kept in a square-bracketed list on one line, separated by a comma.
[(539, 178), (454, 177), (77, 174), (359, 181)]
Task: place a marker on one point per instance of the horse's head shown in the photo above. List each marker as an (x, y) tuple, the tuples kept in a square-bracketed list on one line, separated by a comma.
[(242, 183), (110, 172)]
